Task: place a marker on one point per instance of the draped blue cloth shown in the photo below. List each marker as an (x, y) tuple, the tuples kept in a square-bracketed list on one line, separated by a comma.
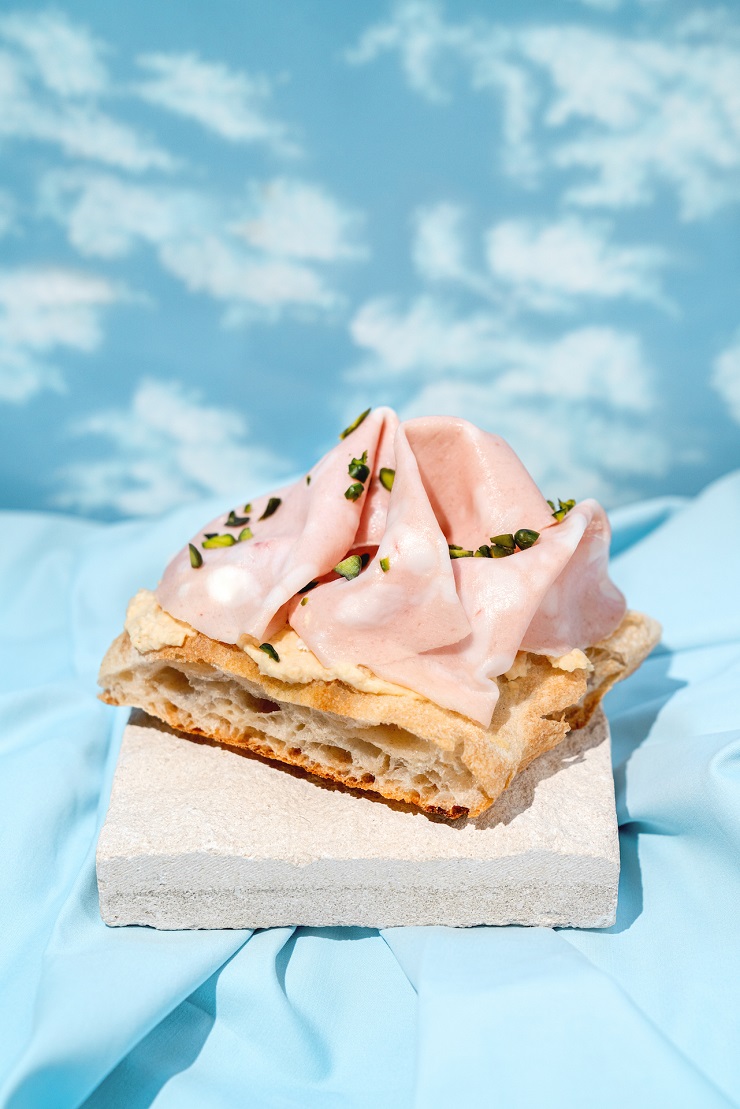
[(645, 1013)]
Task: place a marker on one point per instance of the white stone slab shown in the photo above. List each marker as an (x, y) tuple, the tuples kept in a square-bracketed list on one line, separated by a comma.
[(198, 836)]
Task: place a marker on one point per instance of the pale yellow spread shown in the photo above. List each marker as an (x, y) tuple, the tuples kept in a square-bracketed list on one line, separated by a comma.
[(574, 660), (299, 664), (151, 628)]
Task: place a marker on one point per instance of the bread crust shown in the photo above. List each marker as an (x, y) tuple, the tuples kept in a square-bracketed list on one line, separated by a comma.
[(471, 765)]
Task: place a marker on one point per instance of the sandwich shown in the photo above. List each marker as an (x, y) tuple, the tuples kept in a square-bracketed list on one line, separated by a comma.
[(411, 618)]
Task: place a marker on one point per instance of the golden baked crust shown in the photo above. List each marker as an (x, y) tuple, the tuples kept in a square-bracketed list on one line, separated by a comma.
[(403, 748)]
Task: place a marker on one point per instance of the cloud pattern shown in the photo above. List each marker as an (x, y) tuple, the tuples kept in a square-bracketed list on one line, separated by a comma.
[(205, 267)]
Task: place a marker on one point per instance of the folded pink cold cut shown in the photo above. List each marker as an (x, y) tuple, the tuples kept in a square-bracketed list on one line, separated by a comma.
[(439, 626)]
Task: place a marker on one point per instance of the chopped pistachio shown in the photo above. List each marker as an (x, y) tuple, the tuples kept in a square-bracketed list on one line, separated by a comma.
[(306, 588), (219, 541), (270, 650), (234, 521), (308, 479), (354, 492), (359, 469), (563, 508), (364, 559), (304, 600), (196, 558), (272, 506), (248, 507), (245, 533), (386, 476), (349, 567), (209, 534), (355, 424), (505, 540), (525, 538), (483, 552), (385, 565), (500, 552), (459, 552)]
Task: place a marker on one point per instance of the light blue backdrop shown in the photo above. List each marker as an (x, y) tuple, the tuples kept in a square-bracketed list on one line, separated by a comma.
[(227, 227)]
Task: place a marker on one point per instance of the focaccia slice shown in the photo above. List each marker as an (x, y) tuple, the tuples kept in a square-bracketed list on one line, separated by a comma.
[(403, 747)]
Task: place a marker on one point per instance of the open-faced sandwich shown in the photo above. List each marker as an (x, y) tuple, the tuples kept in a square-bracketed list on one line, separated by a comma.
[(412, 618)]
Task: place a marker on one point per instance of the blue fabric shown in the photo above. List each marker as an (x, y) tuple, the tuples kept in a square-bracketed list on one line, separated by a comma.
[(643, 1014)]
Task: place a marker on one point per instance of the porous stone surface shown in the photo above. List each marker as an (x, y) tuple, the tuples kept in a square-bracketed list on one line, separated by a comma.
[(199, 836)]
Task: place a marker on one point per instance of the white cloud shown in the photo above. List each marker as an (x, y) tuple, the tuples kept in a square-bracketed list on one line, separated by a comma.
[(550, 265), (602, 5), (295, 219), (7, 212), (232, 104), (166, 448), (726, 378), (211, 265), (427, 337), (22, 375), (628, 114), (42, 310), (202, 245), (579, 407), (440, 251), (49, 92), (597, 364), (570, 449), (65, 55), (438, 247)]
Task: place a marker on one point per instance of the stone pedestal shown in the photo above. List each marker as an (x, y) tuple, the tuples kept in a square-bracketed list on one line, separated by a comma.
[(198, 836)]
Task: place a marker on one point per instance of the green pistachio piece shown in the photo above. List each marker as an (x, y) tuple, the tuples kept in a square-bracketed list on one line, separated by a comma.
[(247, 508), (359, 469), (234, 521), (354, 492), (505, 540), (500, 552), (563, 508), (349, 567), (459, 552), (272, 506), (308, 479), (219, 541), (196, 558), (270, 650), (385, 565), (245, 533), (307, 588), (304, 600), (386, 476), (355, 424), (209, 534), (525, 538), (483, 552), (364, 559)]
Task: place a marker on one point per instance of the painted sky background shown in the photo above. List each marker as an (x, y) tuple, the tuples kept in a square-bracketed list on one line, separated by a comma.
[(227, 228)]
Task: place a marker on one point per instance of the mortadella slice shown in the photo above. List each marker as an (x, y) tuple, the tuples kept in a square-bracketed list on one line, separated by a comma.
[(239, 589), (384, 615), (440, 626)]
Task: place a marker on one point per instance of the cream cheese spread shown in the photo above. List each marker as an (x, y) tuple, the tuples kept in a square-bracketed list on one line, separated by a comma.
[(150, 628), (299, 664)]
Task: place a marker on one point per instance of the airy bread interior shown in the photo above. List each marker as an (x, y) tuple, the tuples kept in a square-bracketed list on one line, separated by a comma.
[(404, 748)]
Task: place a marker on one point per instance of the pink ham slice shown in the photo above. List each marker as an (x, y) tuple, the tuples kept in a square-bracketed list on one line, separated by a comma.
[(380, 617), (239, 589), (441, 627)]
